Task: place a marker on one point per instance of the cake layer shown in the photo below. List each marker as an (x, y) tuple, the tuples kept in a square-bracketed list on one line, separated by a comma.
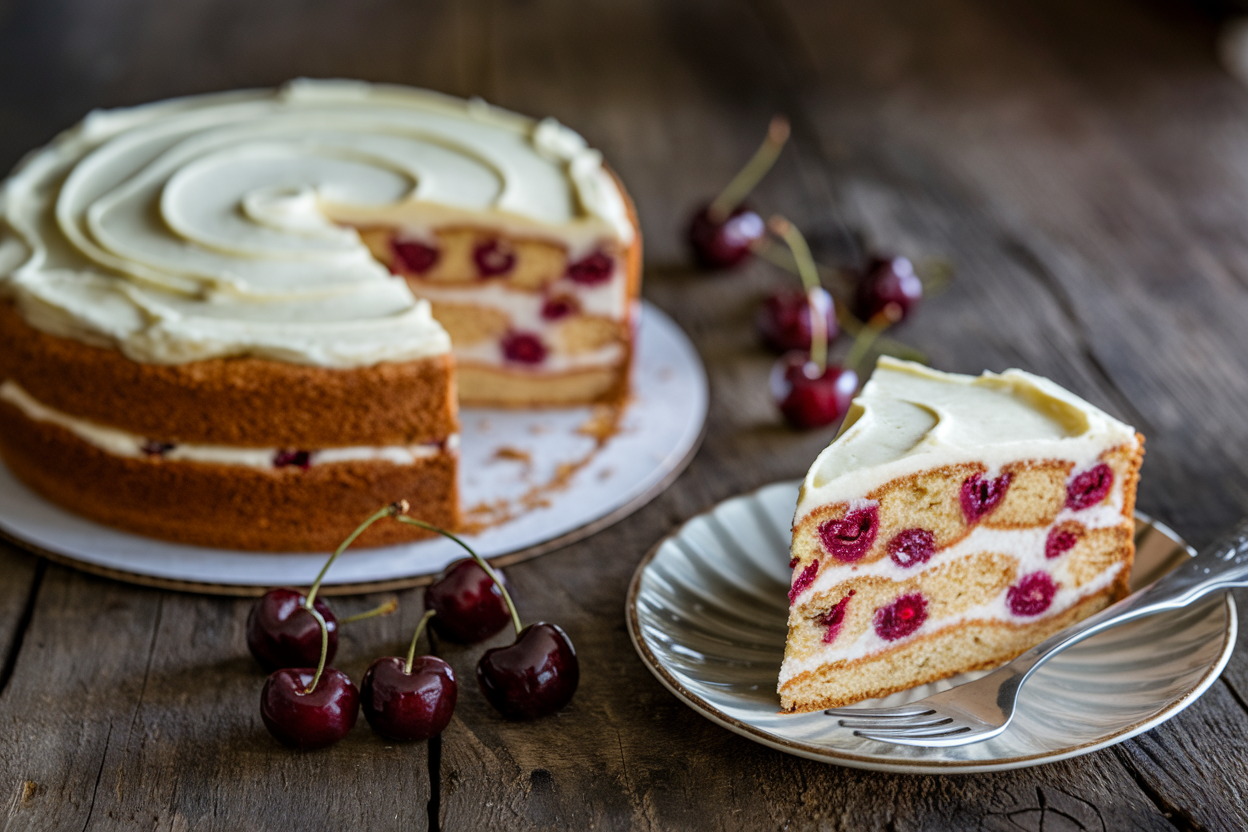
[(288, 508), (495, 387), (971, 645), (251, 402)]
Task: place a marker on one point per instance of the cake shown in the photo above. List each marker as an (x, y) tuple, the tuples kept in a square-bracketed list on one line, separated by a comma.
[(953, 523), (239, 320)]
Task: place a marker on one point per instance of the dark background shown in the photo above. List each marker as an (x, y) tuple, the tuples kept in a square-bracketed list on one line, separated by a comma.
[(1084, 167)]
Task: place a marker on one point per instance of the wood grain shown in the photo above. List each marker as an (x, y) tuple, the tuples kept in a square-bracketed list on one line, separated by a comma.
[(1082, 165)]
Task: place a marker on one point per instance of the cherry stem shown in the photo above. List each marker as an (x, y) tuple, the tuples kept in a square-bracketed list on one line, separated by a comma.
[(489, 570), (411, 651), (389, 510), (385, 609), (320, 667), (753, 172), (865, 338), (815, 293)]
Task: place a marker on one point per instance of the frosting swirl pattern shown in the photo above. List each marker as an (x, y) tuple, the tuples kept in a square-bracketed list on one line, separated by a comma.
[(218, 225)]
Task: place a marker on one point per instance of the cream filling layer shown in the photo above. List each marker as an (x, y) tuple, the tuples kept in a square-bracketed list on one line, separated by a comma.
[(126, 444), (209, 226), (607, 300), (1026, 545)]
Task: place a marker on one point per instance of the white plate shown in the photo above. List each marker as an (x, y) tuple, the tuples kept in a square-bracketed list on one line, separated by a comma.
[(659, 431), (708, 609)]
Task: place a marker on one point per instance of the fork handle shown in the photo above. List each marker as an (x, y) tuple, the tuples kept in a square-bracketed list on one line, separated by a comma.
[(1221, 565)]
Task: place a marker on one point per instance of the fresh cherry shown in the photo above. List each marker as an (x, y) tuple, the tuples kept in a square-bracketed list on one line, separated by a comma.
[(723, 233), (304, 712), (282, 633), (807, 397), (535, 676), (722, 244), (409, 699), (784, 322), (282, 630), (469, 605), (889, 286)]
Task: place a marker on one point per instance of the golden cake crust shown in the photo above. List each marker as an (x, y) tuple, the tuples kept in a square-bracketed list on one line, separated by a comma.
[(227, 506), (247, 402)]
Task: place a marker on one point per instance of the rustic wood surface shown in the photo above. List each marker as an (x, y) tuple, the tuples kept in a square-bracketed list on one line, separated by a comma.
[(1083, 165)]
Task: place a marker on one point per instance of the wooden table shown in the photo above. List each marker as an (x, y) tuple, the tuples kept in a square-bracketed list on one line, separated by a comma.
[(1085, 167)]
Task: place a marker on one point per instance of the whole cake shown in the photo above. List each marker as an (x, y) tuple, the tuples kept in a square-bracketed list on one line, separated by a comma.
[(215, 317), (953, 523)]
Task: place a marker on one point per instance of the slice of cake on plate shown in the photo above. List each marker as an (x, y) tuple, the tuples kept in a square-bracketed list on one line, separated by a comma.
[(215, 312), (954, 522)]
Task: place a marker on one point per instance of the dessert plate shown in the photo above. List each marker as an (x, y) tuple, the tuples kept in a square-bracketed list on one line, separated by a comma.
[(708, 609), (532, 480)]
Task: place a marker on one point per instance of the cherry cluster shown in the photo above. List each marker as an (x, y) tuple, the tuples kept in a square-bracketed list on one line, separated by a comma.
[(306, 704), (802, 324)]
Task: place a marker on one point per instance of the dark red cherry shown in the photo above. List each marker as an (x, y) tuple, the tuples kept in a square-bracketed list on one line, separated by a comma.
[(1090, 487), (308, 720), (523, 348), (783, 321), (1032, 594), (804, 579), (408, 705), (153, 448), (414, 257), (834, 619), (493, 258), (808, 398), (902, 617), (559, 306), (849, 538), (281, 633), (594, 269), (981, 495), (721, 245), (292, 459), (535, 676), (912, 547), (469, 606), (1060, 540), (889, 286)]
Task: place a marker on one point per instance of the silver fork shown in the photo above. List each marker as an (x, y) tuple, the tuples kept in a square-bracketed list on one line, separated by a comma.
[(982, 709)]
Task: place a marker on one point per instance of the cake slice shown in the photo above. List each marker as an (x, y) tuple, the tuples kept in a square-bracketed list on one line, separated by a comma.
[(953, 523)]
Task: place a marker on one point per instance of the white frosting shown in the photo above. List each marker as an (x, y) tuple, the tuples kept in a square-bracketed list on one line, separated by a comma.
[(209, 226), (123, 443), (910, 418)]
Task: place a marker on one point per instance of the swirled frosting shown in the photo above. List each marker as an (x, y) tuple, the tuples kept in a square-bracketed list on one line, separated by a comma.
[(219, 225), (909, 418)]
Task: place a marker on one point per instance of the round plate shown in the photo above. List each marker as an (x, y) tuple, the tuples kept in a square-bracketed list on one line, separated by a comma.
[(554, 472), (708, 610)]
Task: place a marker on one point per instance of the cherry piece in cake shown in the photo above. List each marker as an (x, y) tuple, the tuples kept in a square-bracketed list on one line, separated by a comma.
[(592, 270), (414, 257), (911, 547), (1032, 595), (890, 286), (1090, 487), (849, 538), (493, 258), (288, 459), (981, 495), (1059, 542), (559, 306), (783, 321), (523, 348), (834, 619), (902, 617), (153, 448), (805, 579)]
